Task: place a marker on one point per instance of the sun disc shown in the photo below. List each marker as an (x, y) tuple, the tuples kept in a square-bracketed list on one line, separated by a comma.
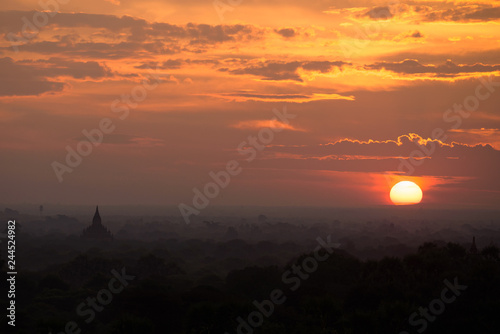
[(406, 192)]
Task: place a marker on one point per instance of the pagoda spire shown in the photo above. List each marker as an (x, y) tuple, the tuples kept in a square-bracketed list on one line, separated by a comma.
[(97, 217), (473, 248), (97, 230)]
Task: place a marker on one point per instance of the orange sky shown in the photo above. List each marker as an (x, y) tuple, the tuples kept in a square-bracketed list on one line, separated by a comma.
[(376, 88)]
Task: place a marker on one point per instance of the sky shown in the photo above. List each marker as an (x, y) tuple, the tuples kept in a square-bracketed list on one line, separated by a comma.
[(311, 103)]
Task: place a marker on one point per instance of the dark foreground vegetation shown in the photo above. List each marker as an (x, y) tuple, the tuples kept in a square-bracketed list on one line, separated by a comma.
[(437, 289)]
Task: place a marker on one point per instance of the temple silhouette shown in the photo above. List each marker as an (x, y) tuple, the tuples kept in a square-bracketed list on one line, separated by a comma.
[(97, 230), (473, 247)]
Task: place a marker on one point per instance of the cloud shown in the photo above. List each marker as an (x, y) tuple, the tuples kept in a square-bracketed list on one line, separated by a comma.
[(400, 147), (490, 56), (243, 96), (12, 21), (411, 36), (275, 70), (379, 149), (100, 50), (124, 139), (419, 12), (416, 34), (475, 136), (485, 14), (379, 13), (28, 77), (411, 66), (475, 166), (464, 13), (169, 64), (120, 37), (177, 63), (481, 132), (259, 124), (286, 32)]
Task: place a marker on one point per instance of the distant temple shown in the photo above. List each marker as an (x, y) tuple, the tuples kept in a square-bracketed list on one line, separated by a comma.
[(473, 248), (97, 229)]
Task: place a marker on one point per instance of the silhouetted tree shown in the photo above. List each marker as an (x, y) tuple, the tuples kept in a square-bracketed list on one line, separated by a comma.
[(491, 253)]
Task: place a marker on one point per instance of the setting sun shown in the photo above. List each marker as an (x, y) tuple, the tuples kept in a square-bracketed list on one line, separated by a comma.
[(406, 192)]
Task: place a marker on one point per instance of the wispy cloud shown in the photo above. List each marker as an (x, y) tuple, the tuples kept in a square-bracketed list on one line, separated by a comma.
[(448, 69), (259, 124), (290, 98), (28, 77)]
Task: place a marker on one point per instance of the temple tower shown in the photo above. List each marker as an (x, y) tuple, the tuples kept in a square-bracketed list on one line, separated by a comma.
[(97, 229)]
